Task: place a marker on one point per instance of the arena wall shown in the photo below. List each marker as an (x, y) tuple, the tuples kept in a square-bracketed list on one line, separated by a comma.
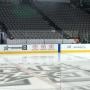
[(44, 48)]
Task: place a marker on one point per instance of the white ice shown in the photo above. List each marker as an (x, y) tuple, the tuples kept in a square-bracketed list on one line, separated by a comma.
[(79, 65)]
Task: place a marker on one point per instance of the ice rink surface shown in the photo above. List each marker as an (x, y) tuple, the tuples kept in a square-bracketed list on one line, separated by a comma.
[(75, 71), (45, 72)]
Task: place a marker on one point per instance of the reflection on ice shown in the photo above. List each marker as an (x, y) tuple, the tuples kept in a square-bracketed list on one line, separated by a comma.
[(29, 72), (24, 59), (75, 71), (54, 71)]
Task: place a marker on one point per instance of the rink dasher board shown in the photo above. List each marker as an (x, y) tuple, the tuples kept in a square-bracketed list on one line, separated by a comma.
[(75, 48), (44, 48), (28, 49)]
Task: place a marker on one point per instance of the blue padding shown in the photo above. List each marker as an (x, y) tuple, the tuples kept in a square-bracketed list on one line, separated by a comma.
[(59, 48)]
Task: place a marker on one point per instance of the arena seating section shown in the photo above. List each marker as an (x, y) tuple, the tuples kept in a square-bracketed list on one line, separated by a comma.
[(66, 16), (25, 22), (21, 18)]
